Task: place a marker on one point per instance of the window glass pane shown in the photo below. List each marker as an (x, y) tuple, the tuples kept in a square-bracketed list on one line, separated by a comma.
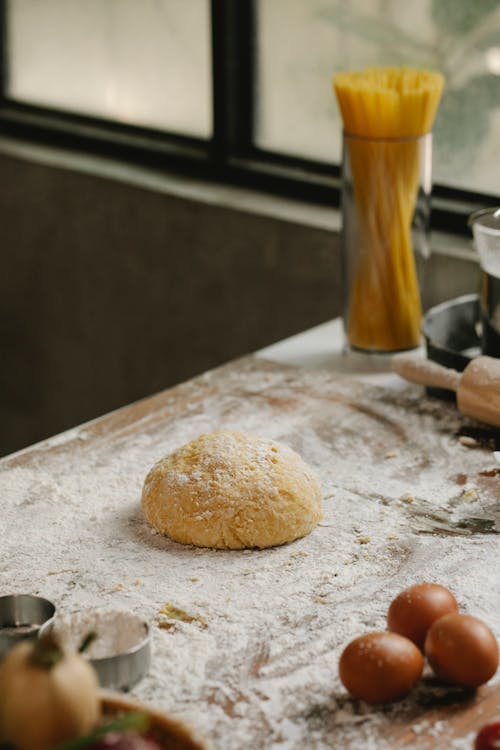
[(302, 43), (141, 62)]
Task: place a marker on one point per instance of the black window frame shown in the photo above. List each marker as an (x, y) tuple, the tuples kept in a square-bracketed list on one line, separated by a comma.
[(230, 156)]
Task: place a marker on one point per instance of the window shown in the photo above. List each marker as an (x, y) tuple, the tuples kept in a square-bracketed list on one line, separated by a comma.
[(296, 58), (143, 63), (240, 90)]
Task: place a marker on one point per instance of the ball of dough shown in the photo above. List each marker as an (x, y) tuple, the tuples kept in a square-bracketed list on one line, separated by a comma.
[(232, 490)]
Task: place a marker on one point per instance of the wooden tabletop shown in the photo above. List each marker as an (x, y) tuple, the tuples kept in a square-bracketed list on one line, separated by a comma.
[(246, 644)]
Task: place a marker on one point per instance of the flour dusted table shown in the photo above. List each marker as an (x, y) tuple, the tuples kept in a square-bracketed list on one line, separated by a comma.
[(411, 493)]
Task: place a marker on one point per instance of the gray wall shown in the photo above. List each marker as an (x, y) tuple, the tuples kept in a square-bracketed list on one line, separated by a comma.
[(110, 292)]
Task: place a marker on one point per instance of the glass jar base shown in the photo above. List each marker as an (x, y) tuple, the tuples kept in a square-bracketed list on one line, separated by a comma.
[(382, 352)]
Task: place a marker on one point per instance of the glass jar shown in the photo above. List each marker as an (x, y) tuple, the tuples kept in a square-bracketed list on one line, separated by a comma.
[(386, 187)]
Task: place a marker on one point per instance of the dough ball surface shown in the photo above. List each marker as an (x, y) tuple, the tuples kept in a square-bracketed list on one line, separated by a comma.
[(232, 490)]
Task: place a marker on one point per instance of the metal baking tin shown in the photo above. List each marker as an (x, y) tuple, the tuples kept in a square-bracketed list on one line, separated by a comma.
[(452, 332), (21, 617)]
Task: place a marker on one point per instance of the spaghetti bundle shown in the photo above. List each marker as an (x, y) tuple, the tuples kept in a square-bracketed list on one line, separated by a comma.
[(385, 111)]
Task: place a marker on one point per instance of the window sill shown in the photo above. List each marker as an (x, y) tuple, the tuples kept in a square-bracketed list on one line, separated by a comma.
[(209, 193)]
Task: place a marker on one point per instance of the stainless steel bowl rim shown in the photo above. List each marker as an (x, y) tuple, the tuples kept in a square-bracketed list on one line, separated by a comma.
[(38, 601), (35, 611)]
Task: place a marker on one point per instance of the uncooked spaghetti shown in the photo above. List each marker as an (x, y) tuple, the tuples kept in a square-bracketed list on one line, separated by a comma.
[(384, 113)]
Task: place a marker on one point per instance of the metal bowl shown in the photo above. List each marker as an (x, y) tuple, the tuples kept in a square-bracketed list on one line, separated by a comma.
[(21, 617)]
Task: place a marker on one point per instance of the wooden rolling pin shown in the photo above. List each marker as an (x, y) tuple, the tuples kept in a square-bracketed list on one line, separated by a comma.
[(477, 388)]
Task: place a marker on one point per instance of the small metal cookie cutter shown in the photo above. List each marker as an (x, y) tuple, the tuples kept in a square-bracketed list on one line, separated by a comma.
[(119, 671), (123, 671), (21, 617)]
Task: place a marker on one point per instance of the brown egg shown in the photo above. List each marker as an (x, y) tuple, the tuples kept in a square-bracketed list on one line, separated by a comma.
[(462, 649), (414, 610), (380, 667)]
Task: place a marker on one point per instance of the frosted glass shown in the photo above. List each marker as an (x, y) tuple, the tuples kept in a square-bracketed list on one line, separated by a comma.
[(302, 43), (143, 62)]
